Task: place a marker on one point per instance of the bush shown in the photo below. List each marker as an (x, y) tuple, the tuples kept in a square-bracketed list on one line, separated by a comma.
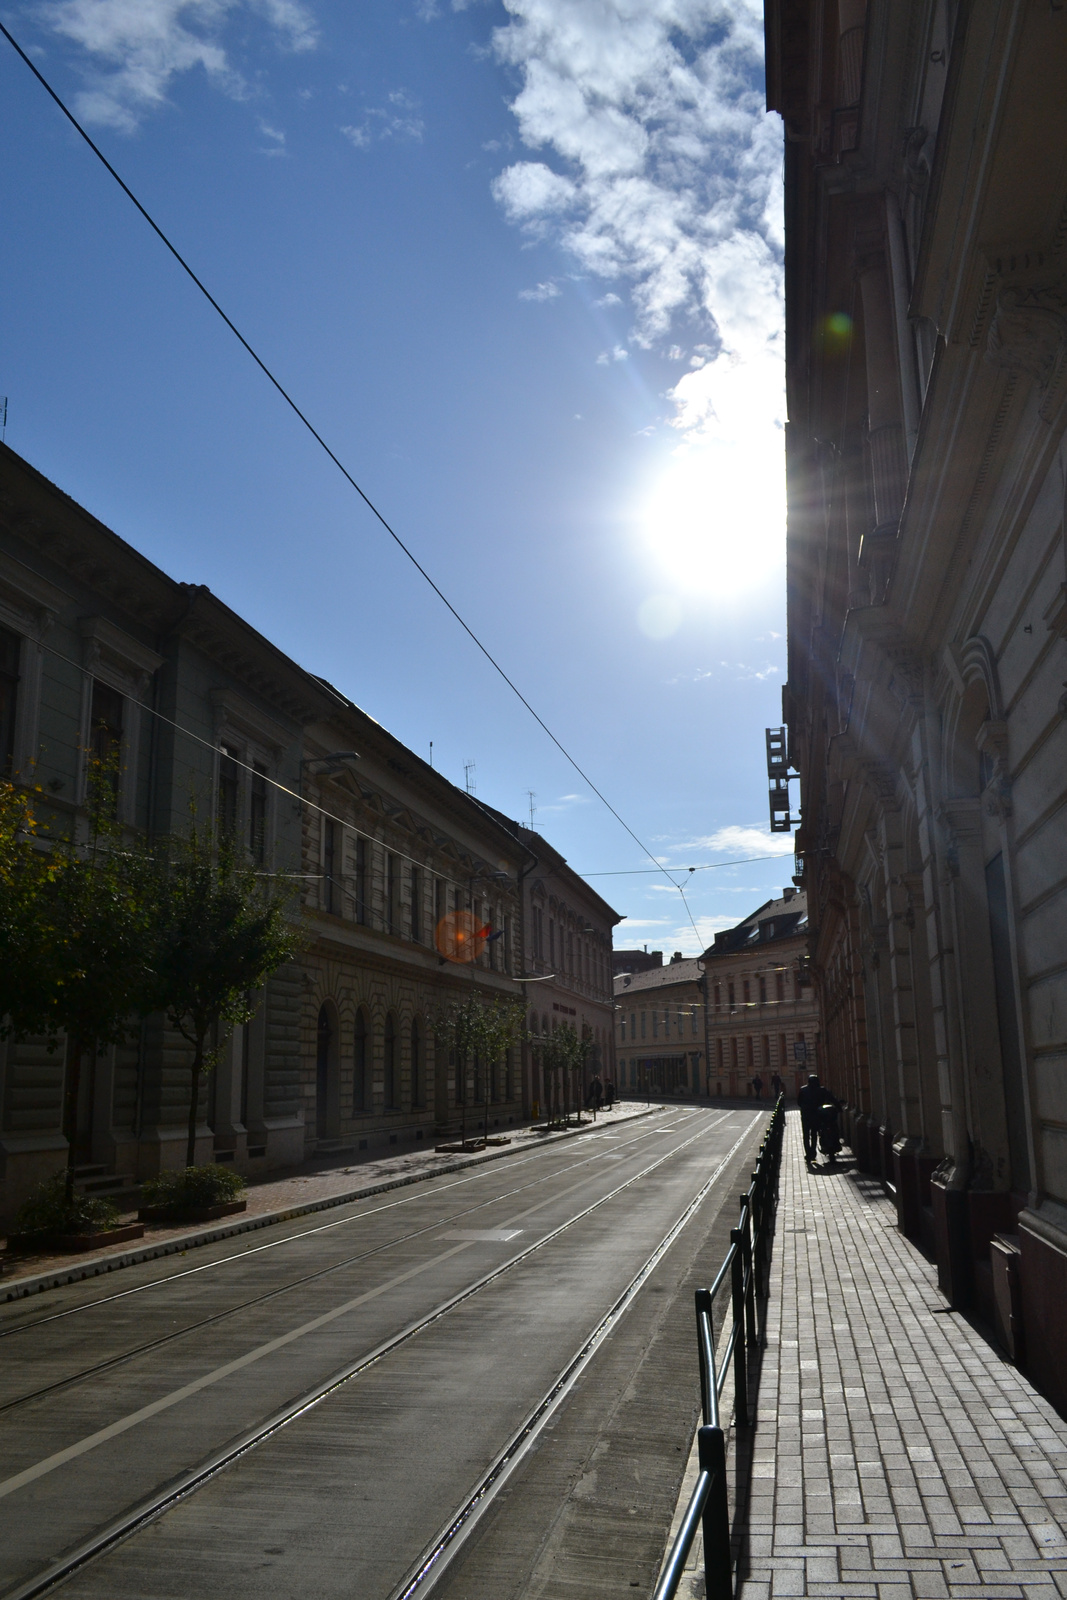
[(47, 1210), (191, 1188)]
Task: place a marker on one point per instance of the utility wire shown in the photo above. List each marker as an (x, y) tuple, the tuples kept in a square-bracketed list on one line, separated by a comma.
[(705, 866), (317, 436)]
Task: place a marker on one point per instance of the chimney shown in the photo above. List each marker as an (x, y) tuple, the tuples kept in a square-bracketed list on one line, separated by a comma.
[(787, 894)]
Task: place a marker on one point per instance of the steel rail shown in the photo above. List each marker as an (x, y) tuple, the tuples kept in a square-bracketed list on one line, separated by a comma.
[(250, 1251), (193, 1327), (153, 1505)]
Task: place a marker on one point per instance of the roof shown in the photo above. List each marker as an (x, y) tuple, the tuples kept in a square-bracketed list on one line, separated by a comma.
[(784, 918), (656, 978)]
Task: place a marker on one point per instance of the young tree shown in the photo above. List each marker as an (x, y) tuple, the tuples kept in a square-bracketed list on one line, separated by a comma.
[(475, 1029), (219, 931), (503, 1022), (27, 972), (97, 915)]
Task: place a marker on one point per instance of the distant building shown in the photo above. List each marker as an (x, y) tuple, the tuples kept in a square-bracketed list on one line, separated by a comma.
[(762, 1013), (659, 1033), (635, 960), (710, 1025)]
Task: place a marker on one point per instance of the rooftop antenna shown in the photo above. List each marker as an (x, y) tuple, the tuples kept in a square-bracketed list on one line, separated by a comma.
[(468, 774), (532, 794), (431, 752), (3, 418)]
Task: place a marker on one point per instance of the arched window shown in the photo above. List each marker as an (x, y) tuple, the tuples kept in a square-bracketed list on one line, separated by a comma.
[(416, 1064), (360, 1083), (390, 1063)]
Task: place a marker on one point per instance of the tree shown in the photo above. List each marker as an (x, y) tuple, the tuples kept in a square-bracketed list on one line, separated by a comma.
[(565, 1052), (478, 1030), (219, 931), (27, 978), (92, 961)]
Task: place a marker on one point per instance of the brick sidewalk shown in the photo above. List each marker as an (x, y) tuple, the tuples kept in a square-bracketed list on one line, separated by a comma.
[(897, 1454)]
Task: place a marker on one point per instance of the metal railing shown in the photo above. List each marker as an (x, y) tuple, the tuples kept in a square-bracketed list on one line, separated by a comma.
[(747, 1266)]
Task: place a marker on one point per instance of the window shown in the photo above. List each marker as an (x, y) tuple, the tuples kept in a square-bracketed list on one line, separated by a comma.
[(693, 1022), (416, 1064), (746, 990), (391, 876), (622, 1030), (359, 1066), (655, 1024), (551, 942), (762, 989), (718, 998), (539, 933), (779, 987), (416, 914), (229, 787), (390, 1073), (257, 817), (361, 881), (439, 902), (681, 1025), (633, 1025), (796, 985), (329, 866), (10, 649), (642, 1024), (730, 997), (105, 733)]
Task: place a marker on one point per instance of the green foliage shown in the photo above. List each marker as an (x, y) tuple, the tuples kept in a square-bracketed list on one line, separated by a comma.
[(49, 1209), (26, 976), (218, 931), (189, 1188), (477, 1027)]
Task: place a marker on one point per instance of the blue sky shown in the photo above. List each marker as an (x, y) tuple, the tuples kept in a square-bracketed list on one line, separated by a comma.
[(521, 264)]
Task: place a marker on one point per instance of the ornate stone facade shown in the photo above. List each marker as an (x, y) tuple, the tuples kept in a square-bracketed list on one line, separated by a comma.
[(926, 295)]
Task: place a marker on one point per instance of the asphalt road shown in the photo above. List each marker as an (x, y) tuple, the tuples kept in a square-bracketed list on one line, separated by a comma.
[(461, 1301)]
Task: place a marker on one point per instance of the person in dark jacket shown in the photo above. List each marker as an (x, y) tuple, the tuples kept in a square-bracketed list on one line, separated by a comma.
[(810, 1100)]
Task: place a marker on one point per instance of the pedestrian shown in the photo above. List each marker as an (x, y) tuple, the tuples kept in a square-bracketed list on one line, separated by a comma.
[(776, 1085), (810, 1100), (595, 1094), (757, 1084), (609, 1095)]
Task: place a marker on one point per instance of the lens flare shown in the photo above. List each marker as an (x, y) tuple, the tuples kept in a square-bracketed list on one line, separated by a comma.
[(460, 936)]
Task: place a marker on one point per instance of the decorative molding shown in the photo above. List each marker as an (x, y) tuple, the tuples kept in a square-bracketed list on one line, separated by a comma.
[(131, 663), (234, 711), (1028, 331)]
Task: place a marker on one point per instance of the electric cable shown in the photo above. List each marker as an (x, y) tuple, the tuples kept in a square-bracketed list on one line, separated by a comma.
[(368, 502)]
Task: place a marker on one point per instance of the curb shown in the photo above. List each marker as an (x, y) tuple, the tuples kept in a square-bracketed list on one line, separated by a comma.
[(22, 1288)]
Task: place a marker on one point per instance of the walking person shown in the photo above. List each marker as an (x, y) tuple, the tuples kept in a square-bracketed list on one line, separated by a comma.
[(776, 1085), (757, 1085), (810, 1100)]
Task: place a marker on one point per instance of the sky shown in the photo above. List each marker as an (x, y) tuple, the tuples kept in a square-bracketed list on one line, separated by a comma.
[(521, 265)]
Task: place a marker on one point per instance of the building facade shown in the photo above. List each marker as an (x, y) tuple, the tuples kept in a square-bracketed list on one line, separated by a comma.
[(711, 1025), (96, 643), (762, 1015), (567, 932), (660, 1036), (926, 301)]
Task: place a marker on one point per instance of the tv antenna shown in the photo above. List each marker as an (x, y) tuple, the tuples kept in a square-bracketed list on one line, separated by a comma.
[(468, 775), (532, 796)]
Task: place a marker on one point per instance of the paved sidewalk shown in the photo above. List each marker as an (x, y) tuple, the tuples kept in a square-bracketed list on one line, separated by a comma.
[(897, 1456)]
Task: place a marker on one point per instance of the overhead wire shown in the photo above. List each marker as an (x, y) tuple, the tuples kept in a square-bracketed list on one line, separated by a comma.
[(317, 436)]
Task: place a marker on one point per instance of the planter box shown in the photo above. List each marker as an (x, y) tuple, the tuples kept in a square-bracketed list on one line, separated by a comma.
[(25, 1244), (228, 1208)]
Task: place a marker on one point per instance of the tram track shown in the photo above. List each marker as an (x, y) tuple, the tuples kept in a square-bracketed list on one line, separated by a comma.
[(288, 1288), (429, 1565)]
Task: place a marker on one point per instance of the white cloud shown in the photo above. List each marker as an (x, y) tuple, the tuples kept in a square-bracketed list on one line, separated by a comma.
[(541, 291), (609, 299), (397, 119), (360, 137), (136, 47), (666, 173), (607, 356), (744, 840)]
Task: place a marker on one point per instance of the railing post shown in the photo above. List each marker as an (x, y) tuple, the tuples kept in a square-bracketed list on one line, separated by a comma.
[(737, 1285), (703, 1305), (751, 1330), (718, 1567)]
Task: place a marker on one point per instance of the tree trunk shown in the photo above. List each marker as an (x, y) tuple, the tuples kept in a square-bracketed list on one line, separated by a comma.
[(194, 1098)]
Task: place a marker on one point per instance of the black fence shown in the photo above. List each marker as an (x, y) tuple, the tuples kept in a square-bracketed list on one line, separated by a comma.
[(747, 1267)]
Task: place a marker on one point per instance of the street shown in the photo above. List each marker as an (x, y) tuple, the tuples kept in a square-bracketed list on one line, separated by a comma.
[(444, 1319)]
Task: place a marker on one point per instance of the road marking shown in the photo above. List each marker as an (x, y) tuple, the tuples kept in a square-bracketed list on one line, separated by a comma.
[(483, 1235)]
